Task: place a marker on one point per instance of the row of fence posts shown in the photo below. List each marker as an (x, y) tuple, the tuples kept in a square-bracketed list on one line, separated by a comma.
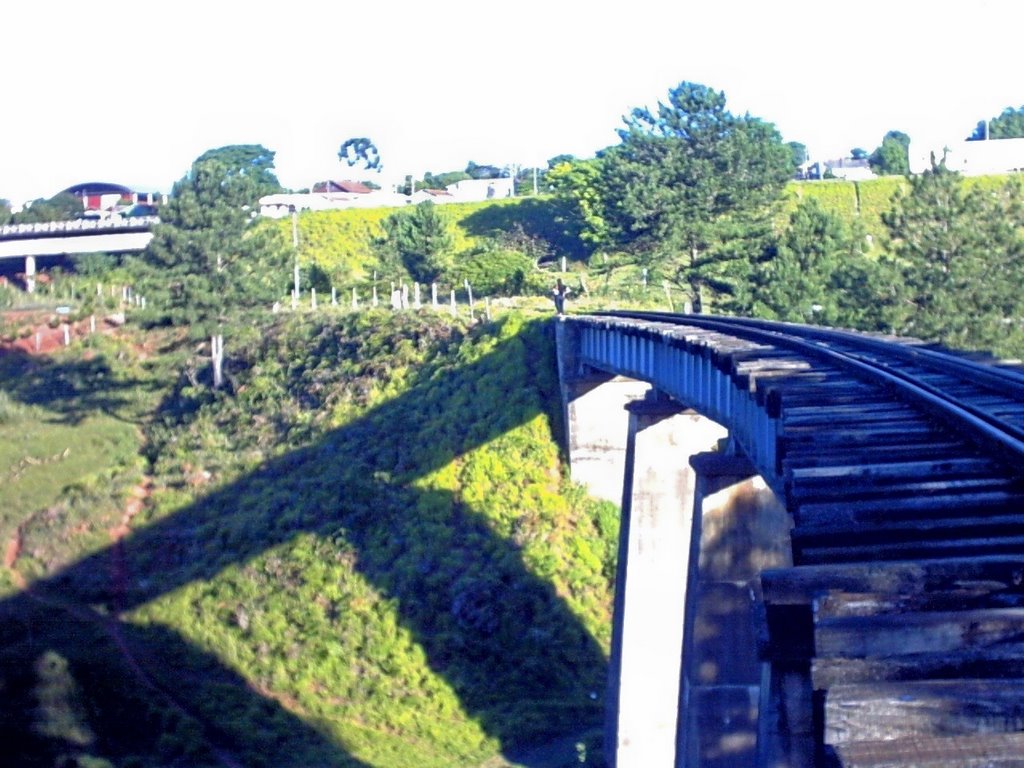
[(65, 333), (398, 299), (128, 297)]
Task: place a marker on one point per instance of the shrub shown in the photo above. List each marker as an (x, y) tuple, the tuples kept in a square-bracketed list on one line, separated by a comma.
[(496, 272)]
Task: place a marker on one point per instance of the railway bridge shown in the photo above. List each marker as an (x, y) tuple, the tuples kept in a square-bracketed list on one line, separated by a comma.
[(820, 559)]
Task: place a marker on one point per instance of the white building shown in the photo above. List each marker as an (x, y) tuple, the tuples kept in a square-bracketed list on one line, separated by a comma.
[(971, 158), (469, 190)]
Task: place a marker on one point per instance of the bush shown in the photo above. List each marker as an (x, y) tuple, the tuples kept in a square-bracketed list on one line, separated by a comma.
[(496, 271)]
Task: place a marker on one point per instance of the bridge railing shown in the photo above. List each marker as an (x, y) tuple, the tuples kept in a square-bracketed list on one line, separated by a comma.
[(77, 226)]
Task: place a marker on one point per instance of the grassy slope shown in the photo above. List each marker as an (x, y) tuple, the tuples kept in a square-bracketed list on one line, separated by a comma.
[(340, 241), (69, 455), (365, 555)]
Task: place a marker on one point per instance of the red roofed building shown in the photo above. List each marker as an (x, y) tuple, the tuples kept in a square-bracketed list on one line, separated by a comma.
[(349, 187)]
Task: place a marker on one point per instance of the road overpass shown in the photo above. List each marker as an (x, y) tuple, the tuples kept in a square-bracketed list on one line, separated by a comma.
[(820, 557), (69, 238)]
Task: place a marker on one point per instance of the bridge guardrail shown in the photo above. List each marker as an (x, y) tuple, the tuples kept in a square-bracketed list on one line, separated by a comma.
[(77, 226)]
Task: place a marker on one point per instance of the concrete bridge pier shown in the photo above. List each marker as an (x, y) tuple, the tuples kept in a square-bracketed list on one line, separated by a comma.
[(596, 424), (739, 528), (30, 274), (651, 581)]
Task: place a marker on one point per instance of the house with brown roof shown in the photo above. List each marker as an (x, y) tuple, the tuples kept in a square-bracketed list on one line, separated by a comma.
[(343, 187)]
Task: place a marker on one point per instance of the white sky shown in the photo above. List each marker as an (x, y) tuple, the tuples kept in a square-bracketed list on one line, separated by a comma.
[(133, 92)]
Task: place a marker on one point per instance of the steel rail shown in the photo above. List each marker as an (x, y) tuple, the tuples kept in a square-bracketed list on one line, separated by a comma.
[(814, 343)]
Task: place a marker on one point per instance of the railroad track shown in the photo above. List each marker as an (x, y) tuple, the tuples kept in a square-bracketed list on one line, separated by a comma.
[(897, 639)]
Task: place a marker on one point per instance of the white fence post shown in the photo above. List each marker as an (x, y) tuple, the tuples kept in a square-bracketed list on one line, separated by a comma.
[(217, 349)]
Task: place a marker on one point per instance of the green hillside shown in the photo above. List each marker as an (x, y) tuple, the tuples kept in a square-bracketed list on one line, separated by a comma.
[(362, 551), (340, 242)]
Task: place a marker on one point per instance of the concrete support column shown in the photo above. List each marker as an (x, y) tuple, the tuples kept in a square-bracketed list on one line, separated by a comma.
[(739, 529), (650, 599), (30, 274), (596, 424)]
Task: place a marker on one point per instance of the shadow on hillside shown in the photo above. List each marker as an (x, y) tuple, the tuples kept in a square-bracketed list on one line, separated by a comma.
[(69, 390), (503, 640), (543, 219)]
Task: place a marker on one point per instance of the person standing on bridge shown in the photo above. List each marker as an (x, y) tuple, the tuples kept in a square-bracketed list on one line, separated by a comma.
[(558, 293)]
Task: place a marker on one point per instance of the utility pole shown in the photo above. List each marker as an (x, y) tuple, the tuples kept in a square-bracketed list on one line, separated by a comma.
[(295, 245)]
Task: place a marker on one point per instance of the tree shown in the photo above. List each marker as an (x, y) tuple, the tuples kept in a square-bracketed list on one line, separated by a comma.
[(5, 211), (360, 151), (858, 153), (209, 257), (799, 153), (818, 273), (691, 189), (559, 159), (441, 180), (959, 255), (579, 184), (1008, 125), (253, 162), (483, 171), (420, 240), (61, 207), (892, 157)]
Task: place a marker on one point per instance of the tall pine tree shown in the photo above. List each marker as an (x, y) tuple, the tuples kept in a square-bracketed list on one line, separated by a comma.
[(959, 254), (210, 256), (692, 188)]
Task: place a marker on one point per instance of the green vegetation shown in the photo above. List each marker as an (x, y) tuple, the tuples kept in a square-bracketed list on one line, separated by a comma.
[(206, 260), (690, 191), (892, 157), (340, 244), (418, 241), (361, 552), (362, 548), (1008, 124)]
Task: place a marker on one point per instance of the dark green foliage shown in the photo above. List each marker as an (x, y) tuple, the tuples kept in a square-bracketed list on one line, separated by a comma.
[(96, 265), (475, 171), (499, 272), (799, 153), (540, 228), (252, 162), (360, 151), (1009, 124), (692, 188), (959, 251), (441, 180), (892, 158), (208, 257), (61, 207), (819, 273), (420, 241)]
